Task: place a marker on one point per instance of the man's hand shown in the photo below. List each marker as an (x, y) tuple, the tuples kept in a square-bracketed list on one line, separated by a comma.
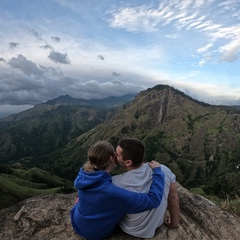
[(169, 224), (154, 164)]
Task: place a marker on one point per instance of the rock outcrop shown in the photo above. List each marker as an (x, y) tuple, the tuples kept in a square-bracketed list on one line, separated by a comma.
[(47, 217)]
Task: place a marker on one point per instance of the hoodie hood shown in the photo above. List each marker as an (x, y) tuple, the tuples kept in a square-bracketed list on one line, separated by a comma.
[(90, 179)]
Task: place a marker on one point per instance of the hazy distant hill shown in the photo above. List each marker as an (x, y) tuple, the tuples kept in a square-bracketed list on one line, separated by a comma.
[(49, 126), (66, 100), (28, 138), (105, 103)]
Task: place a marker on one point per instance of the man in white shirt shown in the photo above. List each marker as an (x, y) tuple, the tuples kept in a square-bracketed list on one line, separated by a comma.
[(138, 177)]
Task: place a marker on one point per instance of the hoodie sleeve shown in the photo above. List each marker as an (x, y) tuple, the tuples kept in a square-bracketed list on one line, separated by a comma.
[(140, 202), (77, 180)]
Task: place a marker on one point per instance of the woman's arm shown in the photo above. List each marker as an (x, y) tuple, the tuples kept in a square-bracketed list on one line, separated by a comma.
[(145, 201)]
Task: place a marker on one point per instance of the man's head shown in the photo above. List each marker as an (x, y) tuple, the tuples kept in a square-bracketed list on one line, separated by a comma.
[(130, 152)]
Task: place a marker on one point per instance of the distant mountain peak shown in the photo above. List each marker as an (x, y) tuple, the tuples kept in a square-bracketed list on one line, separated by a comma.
[(65, 99), (105, 102)]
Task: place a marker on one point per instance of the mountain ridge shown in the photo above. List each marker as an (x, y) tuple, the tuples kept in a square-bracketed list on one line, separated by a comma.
[(199, 142), (105, 102)]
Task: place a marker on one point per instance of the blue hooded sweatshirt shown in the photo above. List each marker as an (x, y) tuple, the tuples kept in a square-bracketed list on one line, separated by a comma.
[(101, 204)]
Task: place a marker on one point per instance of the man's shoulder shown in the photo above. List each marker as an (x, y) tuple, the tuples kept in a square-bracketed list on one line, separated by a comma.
[(119, 179), (134, 177), (165, 168), (168, 173)]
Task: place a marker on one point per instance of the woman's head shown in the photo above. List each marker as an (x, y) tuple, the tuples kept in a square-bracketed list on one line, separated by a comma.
[(99, 155)]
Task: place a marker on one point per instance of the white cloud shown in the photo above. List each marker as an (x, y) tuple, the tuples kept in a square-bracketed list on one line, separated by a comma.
[(204, 49), (195, 22), (212, 27), (186, 15), (136, 19), (230, 51), (145, 18), (141, 45), (203, 25), (202, 62)]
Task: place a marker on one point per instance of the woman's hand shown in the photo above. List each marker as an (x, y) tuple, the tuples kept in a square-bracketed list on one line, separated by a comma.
[(154, 164)]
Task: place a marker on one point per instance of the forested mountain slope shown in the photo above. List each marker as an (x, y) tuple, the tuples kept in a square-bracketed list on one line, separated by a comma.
[(198, 141)]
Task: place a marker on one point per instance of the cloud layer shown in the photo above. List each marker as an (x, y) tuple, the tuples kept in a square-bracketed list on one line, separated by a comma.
[(95, 50)]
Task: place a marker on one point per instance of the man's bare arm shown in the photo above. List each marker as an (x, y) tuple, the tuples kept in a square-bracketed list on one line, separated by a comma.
[(173, 206)]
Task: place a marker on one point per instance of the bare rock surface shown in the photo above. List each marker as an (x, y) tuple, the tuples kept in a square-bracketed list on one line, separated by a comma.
[(47, 217)]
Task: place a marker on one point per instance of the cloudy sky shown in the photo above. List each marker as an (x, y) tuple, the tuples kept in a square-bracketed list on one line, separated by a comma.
[(99, 48)]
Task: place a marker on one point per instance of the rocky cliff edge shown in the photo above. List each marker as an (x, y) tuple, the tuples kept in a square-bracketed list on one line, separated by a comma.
[(47, 217)]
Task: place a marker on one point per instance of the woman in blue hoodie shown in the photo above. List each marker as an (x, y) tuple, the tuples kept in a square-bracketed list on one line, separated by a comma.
[(100, 203)]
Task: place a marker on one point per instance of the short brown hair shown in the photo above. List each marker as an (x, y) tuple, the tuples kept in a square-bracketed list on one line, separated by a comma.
[(133, 149)]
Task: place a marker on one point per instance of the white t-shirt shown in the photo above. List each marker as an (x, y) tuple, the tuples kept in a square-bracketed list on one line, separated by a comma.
[(145, 223)]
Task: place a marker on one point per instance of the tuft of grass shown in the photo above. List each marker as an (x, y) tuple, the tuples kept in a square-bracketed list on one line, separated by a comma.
[(231, 205)]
